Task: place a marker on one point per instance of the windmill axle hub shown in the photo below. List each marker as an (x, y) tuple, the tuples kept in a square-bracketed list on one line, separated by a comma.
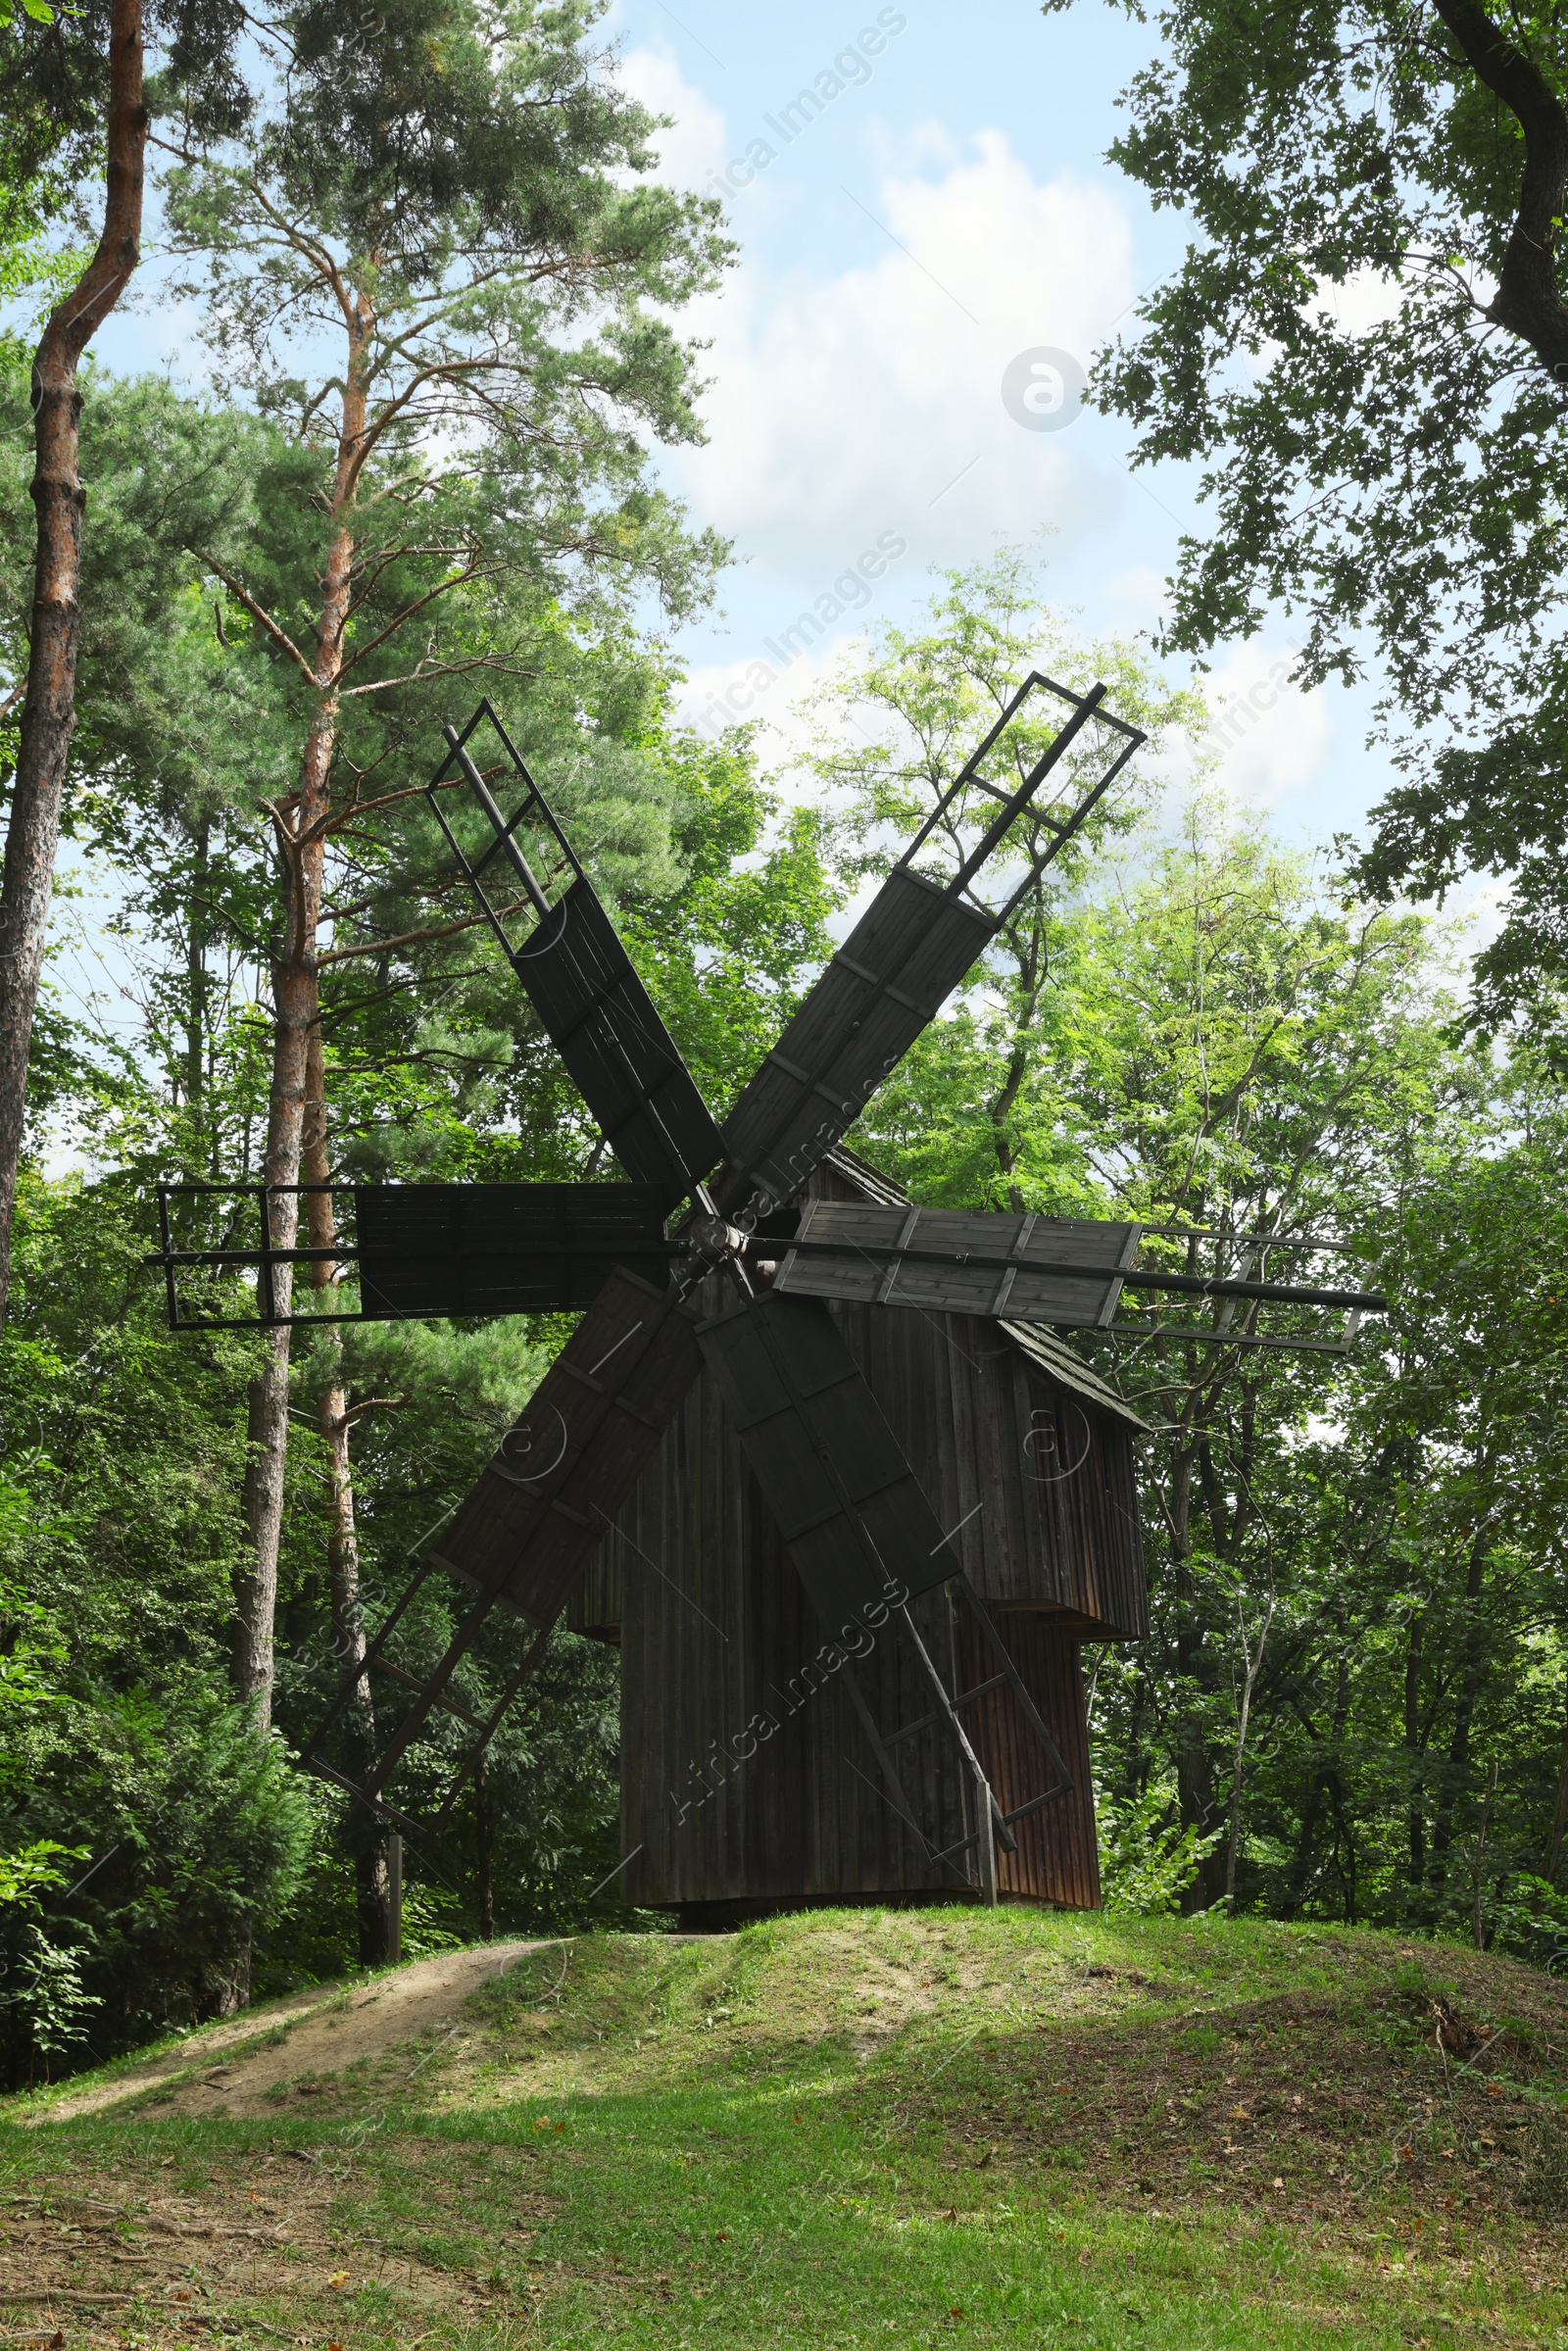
[(713, 1241)]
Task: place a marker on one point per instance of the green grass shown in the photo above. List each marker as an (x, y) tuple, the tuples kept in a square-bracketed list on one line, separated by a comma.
[(865, 2127)]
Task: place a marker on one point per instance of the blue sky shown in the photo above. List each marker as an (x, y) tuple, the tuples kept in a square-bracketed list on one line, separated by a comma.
[(935, 209)]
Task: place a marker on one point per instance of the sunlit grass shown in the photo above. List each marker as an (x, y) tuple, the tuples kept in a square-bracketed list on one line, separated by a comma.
[(866, 2128)]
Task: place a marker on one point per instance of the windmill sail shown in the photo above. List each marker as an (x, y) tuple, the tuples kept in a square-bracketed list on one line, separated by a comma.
[(580, 980), (887, 983), (429, 1250), (621, 1057), (1065, 1270), (916, 941)]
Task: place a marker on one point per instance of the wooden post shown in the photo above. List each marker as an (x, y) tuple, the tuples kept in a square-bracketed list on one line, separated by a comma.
[(987, 1845), (394, 1875)]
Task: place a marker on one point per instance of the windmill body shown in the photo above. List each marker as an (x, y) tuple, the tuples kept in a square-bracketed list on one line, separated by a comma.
[(747, 1781)]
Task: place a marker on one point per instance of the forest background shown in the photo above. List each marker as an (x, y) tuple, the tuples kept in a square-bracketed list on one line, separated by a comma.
[(423, 470)]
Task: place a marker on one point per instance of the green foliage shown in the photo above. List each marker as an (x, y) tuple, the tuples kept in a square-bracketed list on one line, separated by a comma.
[(1546, 2181), (23, 1875), (1526, 1913), (47, 1996), (1148, 1861), (1379, 414), (118, 1539), (729, 949), (53, 82), (436, 1066), (432, 1921), (964, 1118)]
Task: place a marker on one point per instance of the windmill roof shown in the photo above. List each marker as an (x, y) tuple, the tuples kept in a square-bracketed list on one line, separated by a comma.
[(1055, 1357), (1043, 1346), (877, 1187)]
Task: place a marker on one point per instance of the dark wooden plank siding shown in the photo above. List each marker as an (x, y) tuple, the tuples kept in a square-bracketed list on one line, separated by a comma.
[(595, 1605), (1091, 1515), (1055, 1480), (1056, 1858), (747, 1779), (746, 1776), (745, 1772)]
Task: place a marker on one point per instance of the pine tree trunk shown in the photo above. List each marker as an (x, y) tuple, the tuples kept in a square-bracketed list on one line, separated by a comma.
[(49, 709), (302, 828), (368, 1835), (303, 842)]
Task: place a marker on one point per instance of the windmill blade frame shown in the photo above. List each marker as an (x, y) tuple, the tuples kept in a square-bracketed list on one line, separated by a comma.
[(422, 1252), (913, 946), (1065, 1271), (451, 1250), (584, 988)]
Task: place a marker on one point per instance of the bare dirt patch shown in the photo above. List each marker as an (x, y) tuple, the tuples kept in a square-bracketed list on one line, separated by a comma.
[(267, 2237), (302, 2045)]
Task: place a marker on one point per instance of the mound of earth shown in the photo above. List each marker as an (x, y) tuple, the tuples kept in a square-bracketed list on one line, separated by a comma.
[(878, 2126)]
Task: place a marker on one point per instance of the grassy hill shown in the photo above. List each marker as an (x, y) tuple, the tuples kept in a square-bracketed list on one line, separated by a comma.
[(851, 2128)]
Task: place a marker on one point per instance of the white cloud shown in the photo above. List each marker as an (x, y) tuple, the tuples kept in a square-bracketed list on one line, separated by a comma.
[(1132, 601), (842, 406), (697, 143), (776, 699), (927, 142), (1272, 740), (1367, 298)]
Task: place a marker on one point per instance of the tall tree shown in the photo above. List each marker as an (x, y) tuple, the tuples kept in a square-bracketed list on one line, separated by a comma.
[(1366, 347), (69, 84), (446, 210)]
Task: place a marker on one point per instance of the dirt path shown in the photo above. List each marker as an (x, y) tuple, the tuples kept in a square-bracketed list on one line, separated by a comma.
[(230, 2068)]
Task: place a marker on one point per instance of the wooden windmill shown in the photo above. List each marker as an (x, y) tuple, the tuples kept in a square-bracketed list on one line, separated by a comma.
[(813, 1454)]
